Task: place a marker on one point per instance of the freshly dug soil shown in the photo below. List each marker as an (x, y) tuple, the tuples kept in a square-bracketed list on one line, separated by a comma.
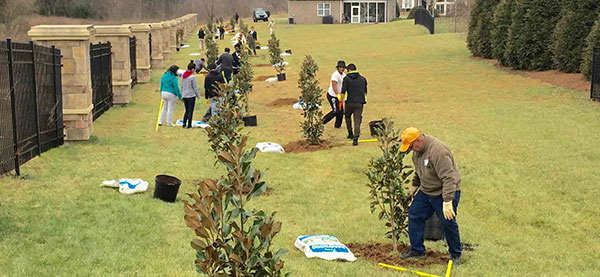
[(263, 78), (573, 81), (263, 65), (303, 146), (283, 102), (382, 253)]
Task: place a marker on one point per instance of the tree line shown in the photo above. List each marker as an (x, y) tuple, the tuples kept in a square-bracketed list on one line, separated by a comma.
[(536, 34)]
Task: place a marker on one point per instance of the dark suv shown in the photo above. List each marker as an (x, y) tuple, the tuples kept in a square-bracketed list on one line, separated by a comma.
[(260, 14)]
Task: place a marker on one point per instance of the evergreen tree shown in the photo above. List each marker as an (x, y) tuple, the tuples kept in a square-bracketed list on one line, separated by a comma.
[(242, 81), (530, 34), (480, 27), (577, 19), (275, 54), (502, 22), (212, 53), (312, 127), (592, 40)]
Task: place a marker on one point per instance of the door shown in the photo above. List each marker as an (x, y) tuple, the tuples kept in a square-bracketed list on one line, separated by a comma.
[(355, 14)]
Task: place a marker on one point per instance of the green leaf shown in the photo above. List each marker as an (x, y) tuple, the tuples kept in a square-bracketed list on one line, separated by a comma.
[(258, 190)]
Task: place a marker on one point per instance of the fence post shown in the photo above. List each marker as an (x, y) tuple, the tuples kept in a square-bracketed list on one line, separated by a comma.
[(36, 101), (11, 82), (58, 97)]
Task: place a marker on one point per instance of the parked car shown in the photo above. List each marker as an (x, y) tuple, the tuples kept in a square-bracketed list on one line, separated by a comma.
[(260, 14)]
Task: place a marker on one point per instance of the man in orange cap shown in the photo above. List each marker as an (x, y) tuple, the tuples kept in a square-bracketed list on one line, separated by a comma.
[(438, 180)]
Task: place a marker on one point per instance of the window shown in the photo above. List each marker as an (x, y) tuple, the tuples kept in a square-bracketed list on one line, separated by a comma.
[(323, 9), (441, 9), (408, 4)]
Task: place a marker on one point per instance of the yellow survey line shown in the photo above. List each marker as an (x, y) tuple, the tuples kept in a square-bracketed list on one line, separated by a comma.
[(449, 268), (409, 270), (159, 111), (365, 140)]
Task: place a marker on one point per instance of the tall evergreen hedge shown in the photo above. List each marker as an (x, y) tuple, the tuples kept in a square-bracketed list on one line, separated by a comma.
[(530, 34), (577, 19), (592, 40), (502, 21), (480, 27)]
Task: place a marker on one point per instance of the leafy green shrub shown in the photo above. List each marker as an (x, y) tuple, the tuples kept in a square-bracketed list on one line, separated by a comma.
[(232, 240), (529, 35), (275, 54), (242, 82), (502, 22), (592, 40), (387, 179), (226, 124), (312, 127), (212, 53), (577, 19), (480, 27)]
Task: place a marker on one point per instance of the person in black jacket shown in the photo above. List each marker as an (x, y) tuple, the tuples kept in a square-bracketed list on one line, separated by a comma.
[(225, 61), (211, 82), (354, 87), (237, 59), (221, 32), (201, 37)]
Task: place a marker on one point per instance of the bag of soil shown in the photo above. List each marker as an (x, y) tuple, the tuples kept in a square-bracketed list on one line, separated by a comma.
[(323, 246)]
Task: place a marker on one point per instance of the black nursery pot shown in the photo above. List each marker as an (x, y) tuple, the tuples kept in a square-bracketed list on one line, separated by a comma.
[(166, 188), (376, 126), (281, 77), (289, 51), (250, 120)]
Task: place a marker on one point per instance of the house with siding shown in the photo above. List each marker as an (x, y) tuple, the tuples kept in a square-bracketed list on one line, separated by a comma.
[(342, 11)]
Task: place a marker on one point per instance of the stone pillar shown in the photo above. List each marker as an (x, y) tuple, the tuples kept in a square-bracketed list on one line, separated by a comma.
[(166, 40), (142, 55), (118, 35), (157, 55), (173, 41), (74, 44), (194, 21)]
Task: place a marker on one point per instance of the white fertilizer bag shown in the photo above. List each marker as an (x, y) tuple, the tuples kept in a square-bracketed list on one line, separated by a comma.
[(269, 147), (127, 186), (184, 46), (264, 48), (272, 79), (195, 124), (325, 247), (285, 54), (195, 54), (284, 63)]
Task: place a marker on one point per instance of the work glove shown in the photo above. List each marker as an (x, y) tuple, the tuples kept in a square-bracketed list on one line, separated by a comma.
[(448, 210), (412, 190), (207, 102)]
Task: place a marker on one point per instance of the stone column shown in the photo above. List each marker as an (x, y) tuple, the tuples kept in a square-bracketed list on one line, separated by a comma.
[(173, 41), (74, 44), (142, 55), (194, 21), (166, 41), (157, 55), (118, 35)]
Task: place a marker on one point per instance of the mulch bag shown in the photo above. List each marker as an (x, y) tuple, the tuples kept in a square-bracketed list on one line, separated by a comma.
[(325, 247), (269, 147), (195, 124), (127, 186)]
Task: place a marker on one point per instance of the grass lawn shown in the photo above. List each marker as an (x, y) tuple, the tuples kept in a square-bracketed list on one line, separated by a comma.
[(528, 153)]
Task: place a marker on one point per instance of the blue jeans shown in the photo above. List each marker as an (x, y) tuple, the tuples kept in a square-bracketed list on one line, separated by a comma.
[(421, 209), (227, 74)]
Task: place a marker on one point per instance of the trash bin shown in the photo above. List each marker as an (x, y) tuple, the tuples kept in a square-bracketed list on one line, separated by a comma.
[(166, 188), (376, 126), (328, 19), (291, 20)]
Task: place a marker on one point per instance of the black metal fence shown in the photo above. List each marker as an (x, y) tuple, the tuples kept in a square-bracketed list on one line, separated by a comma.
[(150, 45), (132, 58), (595, 92), (30, 103), (423, 17), (101, 71)]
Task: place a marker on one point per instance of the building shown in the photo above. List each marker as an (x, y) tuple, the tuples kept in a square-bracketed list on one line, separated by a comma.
[(342, 11), (442, 7)]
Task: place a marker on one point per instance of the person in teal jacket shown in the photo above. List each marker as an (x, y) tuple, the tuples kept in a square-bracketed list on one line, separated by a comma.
[(169, 90)]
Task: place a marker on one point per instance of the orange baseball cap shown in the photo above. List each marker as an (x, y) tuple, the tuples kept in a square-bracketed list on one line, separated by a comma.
[(409, 135)]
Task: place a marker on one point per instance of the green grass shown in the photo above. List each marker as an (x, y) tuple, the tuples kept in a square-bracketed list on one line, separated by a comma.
[(528, 153)]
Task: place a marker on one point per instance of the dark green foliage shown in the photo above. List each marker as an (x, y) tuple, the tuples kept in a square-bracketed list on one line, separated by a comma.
[(593, 40), (577, 19), (479, 36), (530, 34), (411, 14), (242, 82), (502, 22), (275, 54), (225, 126), (388, 177), (212, 53), (312, 127)]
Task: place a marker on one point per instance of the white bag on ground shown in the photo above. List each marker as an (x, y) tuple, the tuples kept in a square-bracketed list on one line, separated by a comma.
[(266, 147), (127, 186), (271, 80), (323, 246), (195, 124)]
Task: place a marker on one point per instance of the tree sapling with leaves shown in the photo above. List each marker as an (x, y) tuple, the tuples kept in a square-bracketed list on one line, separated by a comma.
[(275, 54), (312, 127)]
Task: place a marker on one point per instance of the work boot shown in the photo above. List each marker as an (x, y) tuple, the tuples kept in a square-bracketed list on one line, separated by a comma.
[(355, 141), (455, 260), (350, 136), (412, 254)]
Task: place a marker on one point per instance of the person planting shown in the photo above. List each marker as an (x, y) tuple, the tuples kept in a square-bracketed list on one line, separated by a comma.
[(334, 95), (211, 81), (189, 92), (354, 87), (437, 179), (200, 64), (169, 90)]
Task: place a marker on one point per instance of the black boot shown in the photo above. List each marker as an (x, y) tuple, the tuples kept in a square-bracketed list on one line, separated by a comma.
[(355, 141), (350, 136), (412, 254)]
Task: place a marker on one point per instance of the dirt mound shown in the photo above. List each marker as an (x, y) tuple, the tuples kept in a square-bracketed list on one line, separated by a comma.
[(283, 102), (303, 146), (382, 253), (263, 78), (574, 81), (263, 65)]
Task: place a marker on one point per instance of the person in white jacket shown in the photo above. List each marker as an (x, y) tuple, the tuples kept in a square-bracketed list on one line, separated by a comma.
[(189, 93)]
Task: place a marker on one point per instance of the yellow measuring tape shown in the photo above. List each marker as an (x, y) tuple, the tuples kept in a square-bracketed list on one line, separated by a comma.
[(365, 140), (158, 117), (417, 272)]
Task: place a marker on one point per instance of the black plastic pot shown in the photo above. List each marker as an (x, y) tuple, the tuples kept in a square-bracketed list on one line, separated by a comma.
[(249, 120), (433, 229), (166, 188), (281, 77), (290, 20), (289, 51), (376, 126)]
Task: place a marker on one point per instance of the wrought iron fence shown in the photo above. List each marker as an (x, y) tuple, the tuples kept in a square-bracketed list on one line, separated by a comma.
[(595, 92), (150, 45), (30, 103), (101, 71), (423, 17), (132, 58)]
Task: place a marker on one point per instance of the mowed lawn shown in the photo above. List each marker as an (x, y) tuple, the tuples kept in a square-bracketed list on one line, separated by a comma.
[(528, 153)]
